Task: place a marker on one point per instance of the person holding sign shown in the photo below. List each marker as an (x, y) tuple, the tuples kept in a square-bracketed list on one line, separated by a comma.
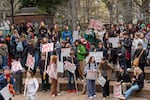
[(105, 70), (6, 79), (73, 60), (52, 72), (91, 72)]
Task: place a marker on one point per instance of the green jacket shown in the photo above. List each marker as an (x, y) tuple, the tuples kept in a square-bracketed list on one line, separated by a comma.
[(81, 51)]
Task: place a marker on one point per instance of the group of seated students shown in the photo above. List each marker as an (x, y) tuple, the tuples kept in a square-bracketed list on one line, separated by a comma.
[(130, 85)]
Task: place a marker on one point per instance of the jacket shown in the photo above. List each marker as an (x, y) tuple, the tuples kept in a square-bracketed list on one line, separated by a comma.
[(121, 53), (124, 77), (81, 51), (140, 81)]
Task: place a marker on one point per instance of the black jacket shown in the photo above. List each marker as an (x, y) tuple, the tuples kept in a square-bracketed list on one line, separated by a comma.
[(140, 81), (124, 78)]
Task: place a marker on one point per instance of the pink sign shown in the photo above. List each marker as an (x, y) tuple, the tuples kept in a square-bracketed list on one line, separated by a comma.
[(47, 47), (30, 61), (117, 91), (69, 66), (95, 24)]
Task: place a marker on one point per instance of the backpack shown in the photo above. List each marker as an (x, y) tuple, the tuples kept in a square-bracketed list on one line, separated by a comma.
[(19, 47)]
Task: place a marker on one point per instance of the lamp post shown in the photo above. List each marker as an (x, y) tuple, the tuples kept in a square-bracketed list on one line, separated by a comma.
[(12, 10)]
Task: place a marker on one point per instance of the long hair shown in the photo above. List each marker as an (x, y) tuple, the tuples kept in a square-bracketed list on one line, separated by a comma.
[(53, 59), (137, 71)]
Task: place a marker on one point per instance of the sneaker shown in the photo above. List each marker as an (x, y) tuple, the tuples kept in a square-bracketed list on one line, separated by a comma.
[(53, 96), (58, 94), (94, 96), (74, 91), (90, 97), (104, 98), (82, 93), (69, 91), (128, 69)]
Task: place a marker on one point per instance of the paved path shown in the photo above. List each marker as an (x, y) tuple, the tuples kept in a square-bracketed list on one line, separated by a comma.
[(66, 96)]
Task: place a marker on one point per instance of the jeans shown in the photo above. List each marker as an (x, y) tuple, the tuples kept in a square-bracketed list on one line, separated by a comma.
[(5, 61), (45, 83), (36, 55), (91, 88), (131, 90), (71, 82), (123, 63)]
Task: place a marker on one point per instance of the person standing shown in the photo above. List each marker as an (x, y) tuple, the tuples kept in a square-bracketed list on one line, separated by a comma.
[(31, 86), (91, 69), (53, 75), (66, 33), (105, 69)]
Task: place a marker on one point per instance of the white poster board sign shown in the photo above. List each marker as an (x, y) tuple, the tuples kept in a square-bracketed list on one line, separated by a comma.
[(95, 24), (16, 66), (60, 67), (30, 61), (75, 35), (89, 32), (47, 47), (5, 93), (65, 52), (97, 55), (101, 80), (117, 91), (69, 66), (114, 41)]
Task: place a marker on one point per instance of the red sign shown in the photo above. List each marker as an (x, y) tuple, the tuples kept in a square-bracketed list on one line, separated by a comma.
[(96, 25), (47, 47)]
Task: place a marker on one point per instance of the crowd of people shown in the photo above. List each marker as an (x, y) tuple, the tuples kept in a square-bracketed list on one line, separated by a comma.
[(24, 39)]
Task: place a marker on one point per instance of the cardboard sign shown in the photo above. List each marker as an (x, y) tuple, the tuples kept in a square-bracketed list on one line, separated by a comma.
[(16, 66), (95, 24), (5, 93), (30, 61), (117, 91), (97, 55), (114, 41), (101, 80), (47, 47), (75, 35), (69, 66)]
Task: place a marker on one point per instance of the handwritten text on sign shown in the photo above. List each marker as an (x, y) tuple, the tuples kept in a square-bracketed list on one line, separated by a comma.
[(30, 61), (69, 66), (16, 66), (47, 47), (117, 91), (95, 24)]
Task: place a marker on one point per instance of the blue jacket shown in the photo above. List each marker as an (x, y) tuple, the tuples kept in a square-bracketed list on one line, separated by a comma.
[(67, 34), (3, 81)]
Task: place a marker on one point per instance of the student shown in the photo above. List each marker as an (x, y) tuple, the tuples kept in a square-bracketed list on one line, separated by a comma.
[(52, 72), (70, 76), (105, 70), (6, 79), (138, 83), (91, 85), (31, 86), (124, 79)]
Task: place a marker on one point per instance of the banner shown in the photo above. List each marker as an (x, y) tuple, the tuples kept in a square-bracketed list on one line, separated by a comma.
[(16, 66), (30, 61), (5, 93), (47, 47), (69, 66), (97, 55), (95, 24), (114, 41), (117, 91)]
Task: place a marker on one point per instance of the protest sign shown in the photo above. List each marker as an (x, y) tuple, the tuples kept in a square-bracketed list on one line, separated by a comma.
[(30, 61), (117, 91), (75, 35), (114, 41), (89, 32), (101, 80), (47, 47), (5, 93), (95, 25), (60, 67), (97, 55), (16, 66), (65, 52), (69, 66)]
